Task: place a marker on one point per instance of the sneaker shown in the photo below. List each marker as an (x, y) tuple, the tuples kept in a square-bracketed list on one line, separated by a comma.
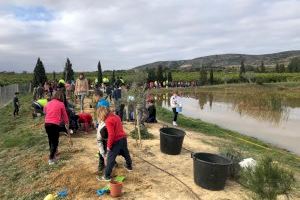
[(103, 178), (174, 123), (127, 168), (51, 162)]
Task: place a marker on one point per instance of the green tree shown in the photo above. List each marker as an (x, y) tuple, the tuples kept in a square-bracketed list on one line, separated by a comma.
[(242, 68), (211, 76), (39, 74), (281, 68), (113, 77), (262, 67), (100, 75), (53, 75), (277, 68), (170, 78), (294, 65), (151, 75), (203, 76), (68, 74), (159, 74)]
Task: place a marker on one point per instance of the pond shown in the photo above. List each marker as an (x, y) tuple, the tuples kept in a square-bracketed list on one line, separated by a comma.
[(270, 117)]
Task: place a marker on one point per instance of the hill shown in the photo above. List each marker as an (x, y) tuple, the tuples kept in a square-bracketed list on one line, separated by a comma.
[(227, 60)]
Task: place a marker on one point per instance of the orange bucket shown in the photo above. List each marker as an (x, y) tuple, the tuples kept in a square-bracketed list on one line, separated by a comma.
[(116, 188)]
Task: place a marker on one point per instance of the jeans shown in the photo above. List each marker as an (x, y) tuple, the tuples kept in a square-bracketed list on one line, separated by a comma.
[(175, 114), (119, 148), (16, 110), (81, 97), (53, 138)]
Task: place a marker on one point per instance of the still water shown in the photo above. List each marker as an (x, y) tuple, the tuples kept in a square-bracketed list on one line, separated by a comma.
[(269, 117)]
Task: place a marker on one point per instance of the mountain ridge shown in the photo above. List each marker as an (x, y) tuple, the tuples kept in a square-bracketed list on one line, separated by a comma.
[(227, 60)]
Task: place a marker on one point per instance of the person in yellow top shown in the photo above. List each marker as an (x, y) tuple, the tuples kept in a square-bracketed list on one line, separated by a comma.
[(38, 107), (81, 89)]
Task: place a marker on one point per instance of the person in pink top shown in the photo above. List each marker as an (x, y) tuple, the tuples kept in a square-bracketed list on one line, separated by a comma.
[(55, 114)]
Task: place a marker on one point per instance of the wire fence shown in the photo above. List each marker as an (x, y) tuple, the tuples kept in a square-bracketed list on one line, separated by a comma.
[(7, 92)]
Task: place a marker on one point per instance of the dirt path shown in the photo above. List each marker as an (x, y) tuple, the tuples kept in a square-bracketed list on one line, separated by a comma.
[(146, 181)]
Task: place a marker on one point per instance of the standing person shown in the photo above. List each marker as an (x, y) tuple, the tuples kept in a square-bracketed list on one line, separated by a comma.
[(81, 89), (174, 103), (16, 104), (40, 91), (116, 142), (55, 114)]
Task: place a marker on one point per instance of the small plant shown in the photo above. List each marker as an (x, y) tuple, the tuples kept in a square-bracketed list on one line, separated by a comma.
[(144, 133), (235, 156), (268, 180)]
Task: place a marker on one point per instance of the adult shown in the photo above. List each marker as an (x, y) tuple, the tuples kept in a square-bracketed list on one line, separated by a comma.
[(174, 103), (116, 142), (81, 89), (55, 115)]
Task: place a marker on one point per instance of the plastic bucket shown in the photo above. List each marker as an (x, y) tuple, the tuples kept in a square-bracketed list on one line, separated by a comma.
[(210, 170), (178, 109), (115, 188), (171, 140)]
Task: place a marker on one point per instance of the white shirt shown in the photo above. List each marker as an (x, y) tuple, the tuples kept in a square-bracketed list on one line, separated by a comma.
[(174, 101)]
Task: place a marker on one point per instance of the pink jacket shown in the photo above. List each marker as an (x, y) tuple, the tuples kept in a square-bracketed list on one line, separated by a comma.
[(56, 113)]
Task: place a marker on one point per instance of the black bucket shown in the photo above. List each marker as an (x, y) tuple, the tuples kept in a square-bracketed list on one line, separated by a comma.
[(210, 170), (171, 140)]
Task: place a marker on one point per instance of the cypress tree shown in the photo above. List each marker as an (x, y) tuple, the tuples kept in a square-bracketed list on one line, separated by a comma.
[(294, 65), (68, 74), (170, 78), (113, 77), (203, 76), (100, 75), (277, 68), (159, 74), (281, 68), (39, 74), (262, 67), (211, 76), (53, 75), (242, 68)]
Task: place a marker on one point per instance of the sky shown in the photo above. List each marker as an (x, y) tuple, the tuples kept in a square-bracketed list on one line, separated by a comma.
[(124, 33)]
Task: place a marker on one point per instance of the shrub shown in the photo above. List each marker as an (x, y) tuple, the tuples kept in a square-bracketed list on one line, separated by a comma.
[(268, 180), (235, 156), (144, 133)]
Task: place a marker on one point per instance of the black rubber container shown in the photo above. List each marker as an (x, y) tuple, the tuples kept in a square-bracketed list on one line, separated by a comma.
[(210, 170), (171, 140)]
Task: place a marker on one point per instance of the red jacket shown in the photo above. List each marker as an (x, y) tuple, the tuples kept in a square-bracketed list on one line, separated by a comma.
[(85, 118), (56, 113), (115, 129)]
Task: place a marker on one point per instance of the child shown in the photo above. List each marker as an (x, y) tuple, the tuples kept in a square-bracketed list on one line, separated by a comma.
[(102, 136), (116, 141), (16, 104), (86, 119)]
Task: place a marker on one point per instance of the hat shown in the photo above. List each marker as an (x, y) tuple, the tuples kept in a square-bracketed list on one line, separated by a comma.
[(102, 103), (61, 81)]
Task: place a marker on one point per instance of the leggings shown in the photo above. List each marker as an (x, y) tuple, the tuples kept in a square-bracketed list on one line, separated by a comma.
[(16, 110), (53, 138), (81, 97), (175, 114)]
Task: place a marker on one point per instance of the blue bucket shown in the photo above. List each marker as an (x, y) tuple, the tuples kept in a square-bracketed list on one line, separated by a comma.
[(178, 109)]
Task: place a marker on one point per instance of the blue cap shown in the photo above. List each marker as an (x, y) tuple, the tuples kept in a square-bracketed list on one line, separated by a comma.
[(102, 103)]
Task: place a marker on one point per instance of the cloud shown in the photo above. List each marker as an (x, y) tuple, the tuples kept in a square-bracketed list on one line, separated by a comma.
[(124, 34)]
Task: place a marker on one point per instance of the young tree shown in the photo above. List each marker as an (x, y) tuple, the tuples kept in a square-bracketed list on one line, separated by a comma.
[(159, 74), (68, 74), (203, 76), (39, 74), (100, 75), (262, 67), (170, 78), (211, 76)]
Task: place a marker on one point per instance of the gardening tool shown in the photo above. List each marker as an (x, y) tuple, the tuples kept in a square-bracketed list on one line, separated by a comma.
[(60, 194)]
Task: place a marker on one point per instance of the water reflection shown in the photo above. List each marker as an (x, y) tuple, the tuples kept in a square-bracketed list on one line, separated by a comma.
[(267, 107)]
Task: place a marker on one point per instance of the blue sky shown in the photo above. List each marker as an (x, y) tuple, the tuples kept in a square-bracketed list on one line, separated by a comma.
[(125, 34), (31, 13)]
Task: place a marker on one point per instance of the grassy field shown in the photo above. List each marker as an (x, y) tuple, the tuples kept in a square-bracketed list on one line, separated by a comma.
[(24, 155), (249, 146)]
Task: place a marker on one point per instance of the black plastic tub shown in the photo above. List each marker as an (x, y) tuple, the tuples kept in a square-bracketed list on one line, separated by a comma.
[(171, 140), (210, 170)]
